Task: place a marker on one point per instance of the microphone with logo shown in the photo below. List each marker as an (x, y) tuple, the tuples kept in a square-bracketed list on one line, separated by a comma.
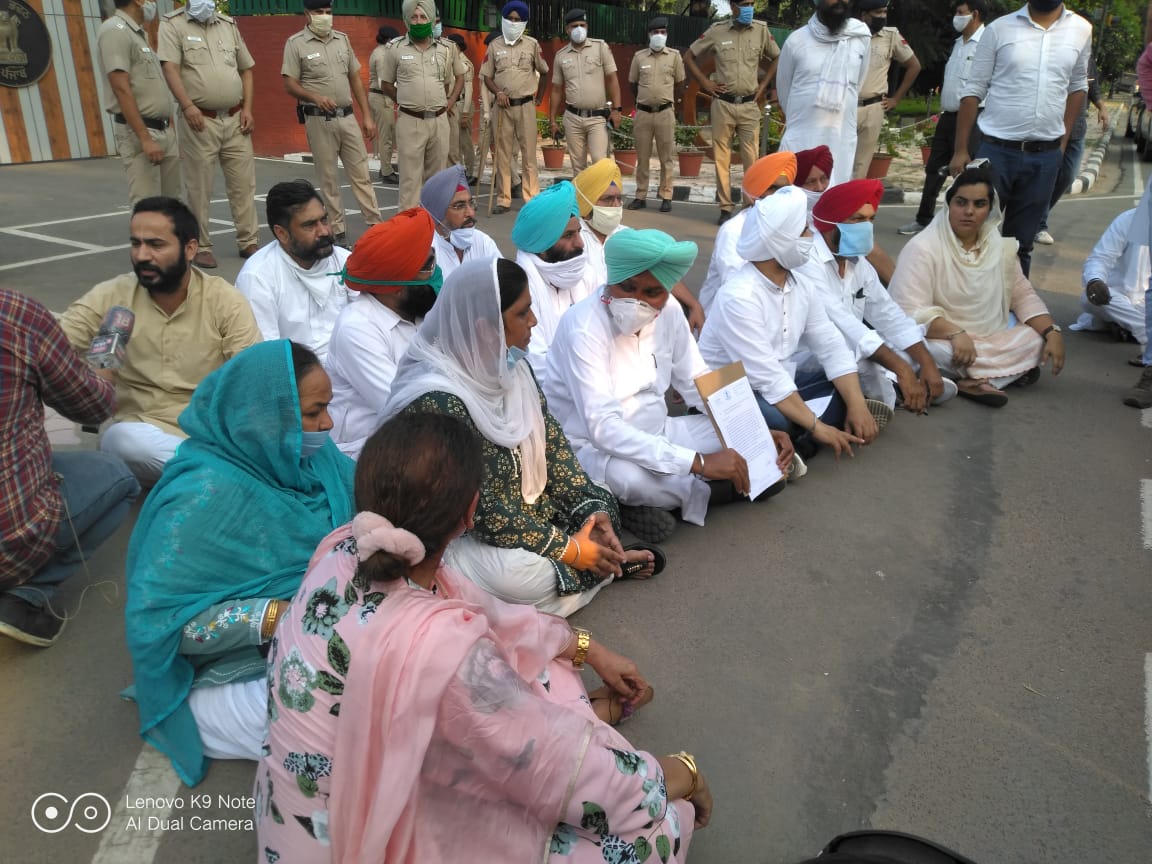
[(107, 348)]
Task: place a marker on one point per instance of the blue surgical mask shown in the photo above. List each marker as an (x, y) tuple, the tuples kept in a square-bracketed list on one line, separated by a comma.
[(855, 238), (437, 29), (312, 441), (514, 356), (744, 16)]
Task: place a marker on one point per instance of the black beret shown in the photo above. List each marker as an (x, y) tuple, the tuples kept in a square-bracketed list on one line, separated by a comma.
[(386, 34), (660, 23), (316, 4), (575, 15)]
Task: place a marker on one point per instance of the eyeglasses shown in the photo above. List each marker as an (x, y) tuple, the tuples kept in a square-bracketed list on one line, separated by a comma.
[(461, 206)]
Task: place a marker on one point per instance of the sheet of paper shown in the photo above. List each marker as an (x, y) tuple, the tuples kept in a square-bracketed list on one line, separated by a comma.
[(742, 427), (820, 404)]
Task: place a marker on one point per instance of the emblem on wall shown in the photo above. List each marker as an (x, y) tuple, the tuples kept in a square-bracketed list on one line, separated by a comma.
[(25, 46)]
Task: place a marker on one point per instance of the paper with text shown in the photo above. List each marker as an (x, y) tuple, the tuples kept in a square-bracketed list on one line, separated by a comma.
[(739, 424)]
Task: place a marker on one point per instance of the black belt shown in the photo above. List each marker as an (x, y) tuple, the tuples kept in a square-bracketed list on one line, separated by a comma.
[(160, 123), (586, 112), (423, 115), (523, 100), (216, 115), (317, 111), (376, 90), (655, 110), (735, 100), (871, 100), (1024, 146)]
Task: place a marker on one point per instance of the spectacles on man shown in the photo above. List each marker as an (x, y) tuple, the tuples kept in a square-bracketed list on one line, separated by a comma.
[(461, 206)]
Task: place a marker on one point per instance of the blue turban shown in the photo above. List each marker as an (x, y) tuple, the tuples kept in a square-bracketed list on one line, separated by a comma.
[(630, 253), (441, 188), (542, 221), (515, 6)]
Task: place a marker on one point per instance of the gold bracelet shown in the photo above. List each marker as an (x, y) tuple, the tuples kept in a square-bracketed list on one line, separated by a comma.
[(271, 613), (583, 642), (690, 763)]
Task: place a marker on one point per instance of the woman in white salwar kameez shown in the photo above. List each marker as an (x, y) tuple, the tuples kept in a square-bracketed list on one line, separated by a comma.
[(962, 283)]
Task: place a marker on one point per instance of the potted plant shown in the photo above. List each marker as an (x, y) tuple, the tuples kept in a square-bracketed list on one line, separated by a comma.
[(927, 133), (882, 158), (553, 153), (688, 151), (624, 145)]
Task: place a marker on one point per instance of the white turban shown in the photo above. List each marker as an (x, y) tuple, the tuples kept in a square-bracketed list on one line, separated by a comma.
[(774, 224)]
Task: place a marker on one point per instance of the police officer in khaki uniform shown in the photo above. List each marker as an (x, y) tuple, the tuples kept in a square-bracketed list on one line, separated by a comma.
[(742, 47), (887, 45), (320, 72), (461, 150), (417, 71), (583, 82), (488, 131), (657, 81), (209, 71), (139, 102), (383, 108), (514, 72)]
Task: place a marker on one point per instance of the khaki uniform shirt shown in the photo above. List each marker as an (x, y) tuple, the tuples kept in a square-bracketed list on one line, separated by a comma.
[(210, 56), (375, 66), (123, 47), (167, 357), (739, 51), (582, 72), (514, 68), (887, 45), (469, 92), (656, 73), (422, 78), (321, 65)]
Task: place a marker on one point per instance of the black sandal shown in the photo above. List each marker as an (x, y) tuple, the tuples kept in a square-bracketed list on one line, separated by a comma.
[(629, 571)]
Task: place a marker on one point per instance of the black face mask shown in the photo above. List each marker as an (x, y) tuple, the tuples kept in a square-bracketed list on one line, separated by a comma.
[(418, 300), (833, 17), (877, 24)]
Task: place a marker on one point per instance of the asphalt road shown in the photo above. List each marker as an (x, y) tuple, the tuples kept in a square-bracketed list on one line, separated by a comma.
[(948, 634)]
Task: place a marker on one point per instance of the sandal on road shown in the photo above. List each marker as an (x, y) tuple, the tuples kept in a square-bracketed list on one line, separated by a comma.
[(982, 392), (629, 571)]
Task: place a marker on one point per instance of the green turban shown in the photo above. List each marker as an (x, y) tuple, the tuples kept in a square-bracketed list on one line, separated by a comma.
[(629, 253)]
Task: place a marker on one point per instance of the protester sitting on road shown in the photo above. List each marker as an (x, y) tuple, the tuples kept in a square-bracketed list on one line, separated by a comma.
[(187, 324), (448, 199), (221, 543), (56, 508), (614, 356), (764, 314), (414, 717), (294, 284), (1116, 277), (394, 268), (544, 533), (963, 282), (813, 170)]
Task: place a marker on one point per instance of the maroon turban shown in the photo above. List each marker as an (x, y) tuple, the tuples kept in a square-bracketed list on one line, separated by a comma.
[(818, 157), (839, 203)]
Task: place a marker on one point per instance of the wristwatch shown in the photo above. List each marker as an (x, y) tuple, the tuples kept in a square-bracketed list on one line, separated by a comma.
[(1049, 329)]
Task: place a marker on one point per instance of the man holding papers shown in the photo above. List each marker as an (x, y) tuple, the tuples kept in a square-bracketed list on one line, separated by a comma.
[(611, 362), (766, 312)]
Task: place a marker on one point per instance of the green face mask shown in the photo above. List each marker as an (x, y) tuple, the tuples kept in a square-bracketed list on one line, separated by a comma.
[(435, 281), (420, 31)]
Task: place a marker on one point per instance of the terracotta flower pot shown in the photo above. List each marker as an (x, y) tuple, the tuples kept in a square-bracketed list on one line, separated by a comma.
[(553, 157), (691, 162), (925, 152), (878, 167), (626, 159)]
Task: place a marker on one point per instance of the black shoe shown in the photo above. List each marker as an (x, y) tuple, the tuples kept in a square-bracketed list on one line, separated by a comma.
[(637, 204), (725, 215), (517, 191), (666, 205), (500, 209), (390, 179), (472, 181), (1028, 378), (650, 524), (32, 625), (341, 240)]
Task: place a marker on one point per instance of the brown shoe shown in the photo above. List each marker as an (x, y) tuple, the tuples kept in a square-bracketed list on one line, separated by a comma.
[(249, 250), (205, 259)]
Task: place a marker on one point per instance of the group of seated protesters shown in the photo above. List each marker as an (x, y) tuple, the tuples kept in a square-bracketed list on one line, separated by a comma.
[(494, 476)]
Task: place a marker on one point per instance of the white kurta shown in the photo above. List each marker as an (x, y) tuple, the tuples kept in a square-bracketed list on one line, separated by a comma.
[(725, 259), (607, 391), (549, 305), (1124, 266), (367, 343), (483, 248), (797, 80), (594, 251), (291, 302)]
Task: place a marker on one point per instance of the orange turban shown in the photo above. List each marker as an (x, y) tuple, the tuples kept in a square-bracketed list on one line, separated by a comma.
[(838, 203), (391, 252), (767, 170)]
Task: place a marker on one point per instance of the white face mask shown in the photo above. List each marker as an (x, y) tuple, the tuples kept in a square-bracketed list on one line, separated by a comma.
[(512, 30), (606, 219), (630, 315), (657, 41), (813, 196), (562, 274), (959, 22), (149, 10), (201, 10), (796, 255), (321, 24), (578, 35), (462, 238)]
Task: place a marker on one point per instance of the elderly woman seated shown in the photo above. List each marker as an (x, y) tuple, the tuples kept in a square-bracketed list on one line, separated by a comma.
[(544, 533), (222, 541), (962, 282), (416, 718)]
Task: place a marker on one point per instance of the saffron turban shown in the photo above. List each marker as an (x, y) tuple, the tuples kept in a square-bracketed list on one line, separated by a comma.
[(594, 181), (542, 221), (838, 203), (517, 6), (411, 6), (390, 252), (441, 188), (767, 170), (818, 157), (629, 253), (774, 224)]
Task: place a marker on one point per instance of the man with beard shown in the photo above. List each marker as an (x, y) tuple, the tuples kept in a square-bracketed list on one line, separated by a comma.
[(551, 251), (294, 284), (187, 325), (449, 202), (821, 70), (394, 269)]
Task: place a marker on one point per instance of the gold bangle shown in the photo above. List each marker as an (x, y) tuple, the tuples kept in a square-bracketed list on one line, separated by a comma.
[(583, 642), (271, 614), (690, 763)]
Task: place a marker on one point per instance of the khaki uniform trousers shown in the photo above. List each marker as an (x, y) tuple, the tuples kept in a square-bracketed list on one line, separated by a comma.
[(339, 138), (586, 139), (869, 122), (744, 121), (220, 141), (422, 146), (146, 180), (384, 116), (517, 133), (661, 128), (488, 146), (461, 150)]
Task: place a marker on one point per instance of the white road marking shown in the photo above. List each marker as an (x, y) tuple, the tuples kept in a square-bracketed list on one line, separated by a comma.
[(152, 777), (1146, 509), (94, 250), (32, 235), (1146, 418), (1148, 715)]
